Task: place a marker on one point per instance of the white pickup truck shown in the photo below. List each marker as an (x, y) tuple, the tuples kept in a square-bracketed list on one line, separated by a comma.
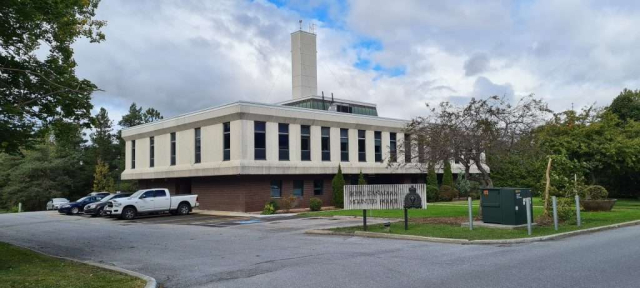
[(157, 200)]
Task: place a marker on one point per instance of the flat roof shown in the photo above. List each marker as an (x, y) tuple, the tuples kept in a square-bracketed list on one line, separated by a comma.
[(328, 99)]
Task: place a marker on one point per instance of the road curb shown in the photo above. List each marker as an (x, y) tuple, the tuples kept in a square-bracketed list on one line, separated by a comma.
[(465, 241), (151, 282)]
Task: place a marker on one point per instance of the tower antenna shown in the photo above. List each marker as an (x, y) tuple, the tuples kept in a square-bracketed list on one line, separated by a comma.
[(300, 21)]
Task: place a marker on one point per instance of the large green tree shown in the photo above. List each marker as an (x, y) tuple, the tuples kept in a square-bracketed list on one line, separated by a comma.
[(102, 136), (39, 86), (338, 189), (627, 105)]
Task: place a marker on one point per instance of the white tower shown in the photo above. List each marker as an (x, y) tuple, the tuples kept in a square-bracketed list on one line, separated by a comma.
[(304, 64)]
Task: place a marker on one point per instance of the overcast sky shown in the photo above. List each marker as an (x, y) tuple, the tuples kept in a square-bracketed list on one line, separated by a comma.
[(181, 56)]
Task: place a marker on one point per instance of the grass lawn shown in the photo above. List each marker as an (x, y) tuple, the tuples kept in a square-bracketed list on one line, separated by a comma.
[(24, 268), (625, 210)]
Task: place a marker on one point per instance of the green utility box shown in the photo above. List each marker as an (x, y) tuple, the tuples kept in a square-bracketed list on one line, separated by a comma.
[(505, 205)]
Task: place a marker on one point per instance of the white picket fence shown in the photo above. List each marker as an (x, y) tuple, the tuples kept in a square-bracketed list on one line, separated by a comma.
[(383, 196)]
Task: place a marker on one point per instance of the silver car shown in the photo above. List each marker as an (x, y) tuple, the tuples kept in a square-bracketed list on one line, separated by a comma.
[(55, 203)]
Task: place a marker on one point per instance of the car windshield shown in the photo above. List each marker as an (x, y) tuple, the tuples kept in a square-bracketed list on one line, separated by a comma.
[(82, 199), (107, 198), (138, 193)]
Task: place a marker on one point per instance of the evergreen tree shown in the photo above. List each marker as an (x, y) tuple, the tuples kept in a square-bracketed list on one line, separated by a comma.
[(447, 177), (338, 189), (361, 180), (102, 138), (432, 177), (102, 181)]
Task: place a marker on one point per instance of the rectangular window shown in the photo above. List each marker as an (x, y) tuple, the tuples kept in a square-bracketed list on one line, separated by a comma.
[(133, 154), (326, 146), (377, 145), (407, 148), (152, 151), (276, 188), (298, 187), (226, 145), (318, 187), (283, 142), (173, 148), (362, 150), (198, 154), (344, 145), (305, 142), (260, 140), (393, 149)]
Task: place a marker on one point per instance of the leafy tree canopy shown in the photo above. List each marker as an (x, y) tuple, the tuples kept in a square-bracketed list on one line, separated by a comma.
[(36, 90), (627, 105)]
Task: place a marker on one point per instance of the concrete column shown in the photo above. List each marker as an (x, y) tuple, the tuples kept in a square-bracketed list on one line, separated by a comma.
[(236, 139), (370, 147), (386, 138), (400, 143), (335, 145), (294, 142), (142, 153), (127, 155), (246, 138), (212, 143), (162, 144), (316, 138), (272, 141), (353, 146), (185, 147)]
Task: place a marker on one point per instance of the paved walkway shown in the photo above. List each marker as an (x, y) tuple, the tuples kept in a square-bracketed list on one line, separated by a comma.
[(278, 254)]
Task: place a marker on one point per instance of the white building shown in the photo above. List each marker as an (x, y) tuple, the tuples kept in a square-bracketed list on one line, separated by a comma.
[(241, 155)]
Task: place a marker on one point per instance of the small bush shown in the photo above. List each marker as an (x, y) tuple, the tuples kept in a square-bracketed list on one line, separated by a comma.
[(463, 186), (447, 193), (289, 202), (315, 204), (275, 204), (268, 209), (594, 192), (566, 210), (474, 195), (432, 193)]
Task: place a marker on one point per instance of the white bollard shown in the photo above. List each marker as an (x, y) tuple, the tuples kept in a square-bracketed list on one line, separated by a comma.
[(19, 207), (528, 205), (555, 212), (578, 210), (470, 213)]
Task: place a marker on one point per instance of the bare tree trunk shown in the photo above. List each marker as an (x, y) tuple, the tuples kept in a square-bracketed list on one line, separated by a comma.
[(546, 188), (485, 175)]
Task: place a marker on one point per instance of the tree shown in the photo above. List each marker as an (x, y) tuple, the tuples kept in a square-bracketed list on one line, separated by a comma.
[(432, 177), (627, 105), (361, 180), (338, 189), (447, 176), (36, 90), (102, 137), (137, 117), (102, 181)]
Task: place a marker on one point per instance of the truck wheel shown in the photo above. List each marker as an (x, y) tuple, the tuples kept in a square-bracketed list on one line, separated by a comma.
[(75, 210), (183, 209), (128, 213)]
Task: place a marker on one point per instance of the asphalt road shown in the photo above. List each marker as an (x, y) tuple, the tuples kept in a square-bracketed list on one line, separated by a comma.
[(211, 252)]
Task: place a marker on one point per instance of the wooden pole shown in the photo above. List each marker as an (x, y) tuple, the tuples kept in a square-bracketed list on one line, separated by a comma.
[(546, 189)]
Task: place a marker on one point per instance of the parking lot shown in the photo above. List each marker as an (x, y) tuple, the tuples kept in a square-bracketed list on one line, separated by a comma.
[(213, 251)]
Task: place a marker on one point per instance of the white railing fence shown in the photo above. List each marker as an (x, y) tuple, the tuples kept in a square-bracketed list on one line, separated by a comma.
[(382, 196)]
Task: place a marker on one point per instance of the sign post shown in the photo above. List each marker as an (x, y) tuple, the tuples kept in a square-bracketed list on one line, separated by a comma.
[(470, 201), (406, 219), (555, 212), (364, 219)]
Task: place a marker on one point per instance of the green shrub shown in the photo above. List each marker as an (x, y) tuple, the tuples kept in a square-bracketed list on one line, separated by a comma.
[(447, 193), (432, 193), (315, 204), (463, 186), (566, 210), (593, 192), (275, 204), (447, 176), (474, 195), (338, 189), (432, 178), (361, 180), (268, 209)]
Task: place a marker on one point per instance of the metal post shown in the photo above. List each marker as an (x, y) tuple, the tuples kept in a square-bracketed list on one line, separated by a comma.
[(555, 212), (578, 209), (528, 205), (19, 207), (364, 219), (406, 219), (470, 213)]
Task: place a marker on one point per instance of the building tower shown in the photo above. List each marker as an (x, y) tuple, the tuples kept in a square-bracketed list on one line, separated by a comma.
[(304, 64)]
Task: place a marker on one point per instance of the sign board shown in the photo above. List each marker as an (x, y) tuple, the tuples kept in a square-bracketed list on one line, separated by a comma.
[(384, 196)]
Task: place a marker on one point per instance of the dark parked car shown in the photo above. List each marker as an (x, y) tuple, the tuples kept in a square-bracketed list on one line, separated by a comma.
[(78, 206), (97, 208)]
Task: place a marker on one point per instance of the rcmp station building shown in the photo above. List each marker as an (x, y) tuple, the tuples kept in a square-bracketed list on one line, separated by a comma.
[(239, 156)]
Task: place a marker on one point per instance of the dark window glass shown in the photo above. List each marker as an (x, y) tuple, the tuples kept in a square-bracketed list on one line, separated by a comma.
[(344, 145), (345, 109), (407, 148), (149, 194), (198, 156), (362, 150), (378, 145), (283, 141), (173, 148), (276, 188), (393, 153), (318, 187), (298, 187), (305, 142), (354, 179), (260, 141), (152, 151), (226, 134), (161, 193), (133, 154), (326, 144)]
